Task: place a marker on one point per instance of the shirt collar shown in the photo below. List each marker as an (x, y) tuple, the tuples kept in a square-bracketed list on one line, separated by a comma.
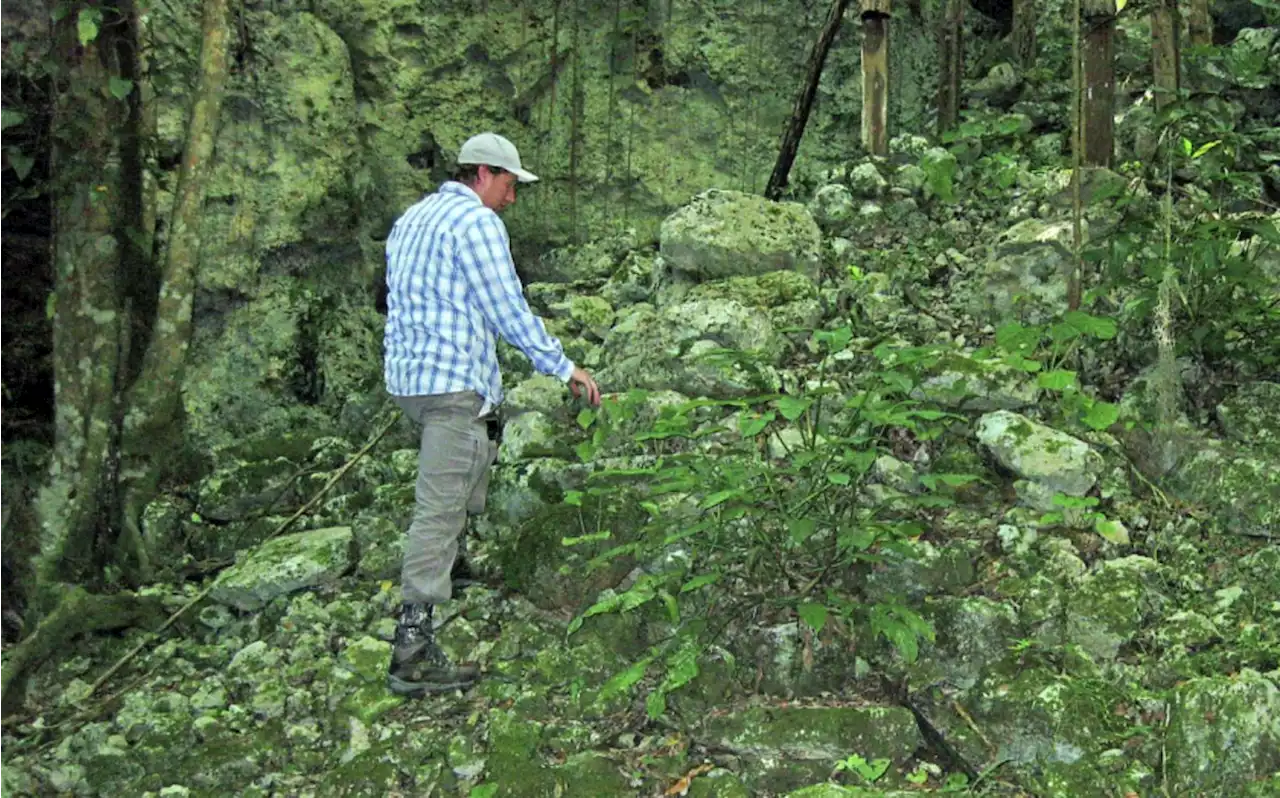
[(461, 189)]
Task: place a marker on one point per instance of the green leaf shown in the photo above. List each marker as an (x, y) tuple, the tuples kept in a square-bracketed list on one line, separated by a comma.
[(656, 704), (483, 791), (1203, 148), (586, 417), (21, 162), (1113, 531), (594, 537), (119, 87), (87, 25), (1057, 380), (623, 680), (1102, 415), (10, 118), (702, 580), (751, 425), (1097, 326), (1186, 146), (1018, 339), (673, 606), (792, 407), (718, 498), (573, 498), (838, 478), (814, 615), (801, 529)]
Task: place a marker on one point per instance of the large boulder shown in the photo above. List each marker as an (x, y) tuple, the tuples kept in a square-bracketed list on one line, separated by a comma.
[(1224, 734), (1025, 276), (284, 565), (727, 233)]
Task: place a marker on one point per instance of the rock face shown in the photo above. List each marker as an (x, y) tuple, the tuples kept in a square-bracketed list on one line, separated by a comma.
[(1052, 459), (285, 564), (727, 233), (1224, 734)]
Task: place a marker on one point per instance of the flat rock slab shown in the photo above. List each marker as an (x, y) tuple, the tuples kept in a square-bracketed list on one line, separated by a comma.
[(284, 565), (817, 733), (728, 233)]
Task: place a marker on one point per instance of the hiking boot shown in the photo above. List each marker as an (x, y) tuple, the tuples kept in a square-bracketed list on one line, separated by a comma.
[(418, 666)]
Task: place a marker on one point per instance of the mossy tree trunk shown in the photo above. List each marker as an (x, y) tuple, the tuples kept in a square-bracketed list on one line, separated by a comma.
[(1165, 64), (951, 64), (1099, 81), (875, 76), (1024, 32), (804, 101), (119, 344), (152, 427), (90, 328)]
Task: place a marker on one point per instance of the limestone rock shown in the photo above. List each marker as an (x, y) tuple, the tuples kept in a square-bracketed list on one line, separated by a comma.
[(832, 206), (1224, 733), (1041, 454), (1108, 607), (728, 233), (285, 564), (1240, 484), (866, 181), (529, 435), (1000, 88), (1252, 414)]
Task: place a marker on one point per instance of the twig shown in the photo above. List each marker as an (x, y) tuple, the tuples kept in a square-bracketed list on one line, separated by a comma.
[(968, 719)]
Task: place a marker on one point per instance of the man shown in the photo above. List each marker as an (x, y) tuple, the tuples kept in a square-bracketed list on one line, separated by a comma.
[(452, 289)]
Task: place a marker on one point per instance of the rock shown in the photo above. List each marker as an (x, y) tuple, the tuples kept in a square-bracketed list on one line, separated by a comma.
[(594, 314), (1253, 59), (668, 349), (1252, 414), (837, 791), (594, 260), (1025, 277), (940, 167), (865, 181), (728, 233), (635, 279), (284, 565), (1000, 88), (381, 541), (1239, 485), (541, 392), (1110, 605), (967, 384), (718, 783), (1224, 734), (832, 207), (771, 290), (1047, 149), (973, 634), (1053, 459), (785, 745), (532, 434), (910, 178)]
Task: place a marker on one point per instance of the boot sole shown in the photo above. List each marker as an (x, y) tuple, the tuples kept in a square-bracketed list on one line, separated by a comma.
[(417, 689)]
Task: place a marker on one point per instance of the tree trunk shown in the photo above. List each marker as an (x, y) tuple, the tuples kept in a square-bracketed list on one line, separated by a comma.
[(90, 329), (1024, 33), (1164, 51), (152, 425), (1099, 81), (1200, 24), (804, 101), (875, 76), (951, 66)]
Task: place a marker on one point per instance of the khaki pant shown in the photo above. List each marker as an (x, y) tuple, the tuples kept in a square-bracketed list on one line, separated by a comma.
[(453, 479)]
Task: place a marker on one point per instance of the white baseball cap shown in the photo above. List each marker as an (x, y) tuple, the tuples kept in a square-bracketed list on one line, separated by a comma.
[(490, 149)]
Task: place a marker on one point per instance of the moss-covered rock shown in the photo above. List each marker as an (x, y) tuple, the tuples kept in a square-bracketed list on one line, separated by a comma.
[(1108, 607), (1053, 459), (727, 233), (1025, 276), (285, 564), (1252, 414), (1224, 734), (1241, 484)]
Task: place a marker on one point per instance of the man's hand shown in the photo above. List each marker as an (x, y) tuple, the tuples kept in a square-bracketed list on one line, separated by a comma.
[(580, 383)]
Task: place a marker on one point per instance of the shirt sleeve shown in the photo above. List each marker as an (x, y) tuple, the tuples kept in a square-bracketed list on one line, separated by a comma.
[(485, 255)]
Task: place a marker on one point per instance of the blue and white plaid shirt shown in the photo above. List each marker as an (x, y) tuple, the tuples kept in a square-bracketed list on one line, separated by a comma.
[(452, 288)]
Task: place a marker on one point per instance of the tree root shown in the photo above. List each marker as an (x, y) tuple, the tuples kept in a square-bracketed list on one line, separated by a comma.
[(77, 613)]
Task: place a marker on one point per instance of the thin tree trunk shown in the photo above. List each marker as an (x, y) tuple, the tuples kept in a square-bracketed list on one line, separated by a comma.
[(1075, 277), (1164, 51), (1200, 24), (1099, 81), (875, 76), (804, 101), (88, 320), (1024, 32), (951, 64), (152, 425)]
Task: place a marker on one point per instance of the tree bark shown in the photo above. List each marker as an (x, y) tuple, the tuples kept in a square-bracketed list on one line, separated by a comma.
[(951, 66), (89, 325), (1099, 81), (804, 101), (1200, 24), (152, 425), (1166, 68), (1024, 32), (875, 76)]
